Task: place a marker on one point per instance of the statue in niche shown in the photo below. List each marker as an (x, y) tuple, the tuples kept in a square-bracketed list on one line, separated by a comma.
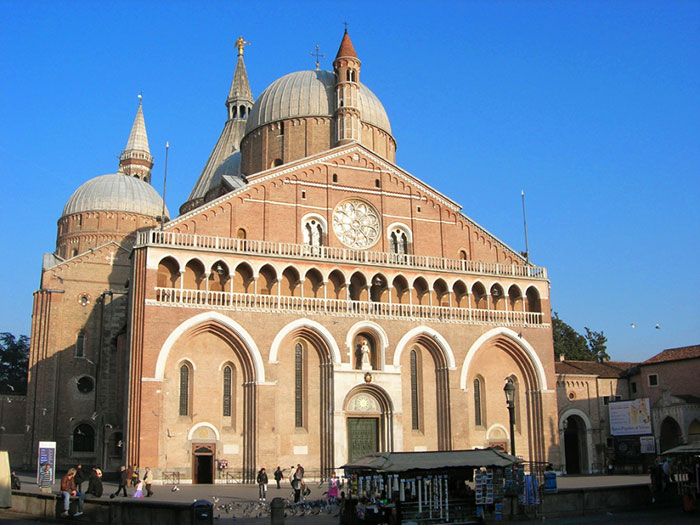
[(363, 355)]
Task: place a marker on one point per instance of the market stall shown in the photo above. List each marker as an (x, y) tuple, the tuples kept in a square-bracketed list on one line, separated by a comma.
[(683, 470), (461, 486)]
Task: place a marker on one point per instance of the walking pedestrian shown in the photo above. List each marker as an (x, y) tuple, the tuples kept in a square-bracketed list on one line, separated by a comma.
[(147, 481), (278, 476), (135, 476), (262, 484), (123, 481), (297, 480)]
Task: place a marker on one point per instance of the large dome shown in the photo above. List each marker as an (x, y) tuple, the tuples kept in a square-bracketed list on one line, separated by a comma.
[(310, 94), (115, 192)]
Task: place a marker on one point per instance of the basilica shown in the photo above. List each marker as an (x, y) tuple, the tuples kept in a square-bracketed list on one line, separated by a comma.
[(312, 302)]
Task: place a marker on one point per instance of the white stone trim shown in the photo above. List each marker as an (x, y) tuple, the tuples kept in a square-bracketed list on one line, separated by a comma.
[(519, 341), (425, 330), (308, 323), (217, 318), (375, 329), (203, 424)]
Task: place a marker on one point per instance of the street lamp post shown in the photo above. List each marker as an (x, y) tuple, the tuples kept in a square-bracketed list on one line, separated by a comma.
[(509, 389)]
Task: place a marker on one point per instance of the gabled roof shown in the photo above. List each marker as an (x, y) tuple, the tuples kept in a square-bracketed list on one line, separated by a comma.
[(608, 369), (328, 157), (675, 354), (53, 261)]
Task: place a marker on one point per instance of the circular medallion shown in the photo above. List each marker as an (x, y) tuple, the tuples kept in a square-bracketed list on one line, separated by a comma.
[(84, 299), (356, 223)]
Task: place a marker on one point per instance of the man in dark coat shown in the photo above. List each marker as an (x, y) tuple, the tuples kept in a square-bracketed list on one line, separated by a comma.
[(278, 476), (80, 476), (95, 483), (123, 480)]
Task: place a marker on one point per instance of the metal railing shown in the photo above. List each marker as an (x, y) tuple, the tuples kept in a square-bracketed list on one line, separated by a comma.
[(327, 253)]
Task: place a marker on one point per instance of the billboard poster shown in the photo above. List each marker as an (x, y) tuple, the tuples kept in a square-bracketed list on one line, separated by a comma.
[(647, 445), (630, 418), (47, 454)]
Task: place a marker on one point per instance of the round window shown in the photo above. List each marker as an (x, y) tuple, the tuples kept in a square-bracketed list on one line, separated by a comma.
[(86, 385), (571, 396)]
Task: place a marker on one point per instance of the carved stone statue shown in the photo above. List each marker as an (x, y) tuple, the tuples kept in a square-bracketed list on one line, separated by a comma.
[(364, 349)]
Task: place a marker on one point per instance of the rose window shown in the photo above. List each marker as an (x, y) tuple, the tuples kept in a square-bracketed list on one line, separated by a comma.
[(356, 224)]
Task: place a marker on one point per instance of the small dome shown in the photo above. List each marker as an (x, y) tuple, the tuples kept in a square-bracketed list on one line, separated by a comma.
[(116, 192), (310, 94)]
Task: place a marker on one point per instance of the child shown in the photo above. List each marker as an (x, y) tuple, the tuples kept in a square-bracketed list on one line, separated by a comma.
[(138, 493)]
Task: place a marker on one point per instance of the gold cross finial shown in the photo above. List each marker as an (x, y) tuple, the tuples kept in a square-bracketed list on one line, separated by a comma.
[(318, 55), (239, 44)]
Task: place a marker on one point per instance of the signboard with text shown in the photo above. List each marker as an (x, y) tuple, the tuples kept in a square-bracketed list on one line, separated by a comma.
[(47, 454), (630, 418), (647, 445)]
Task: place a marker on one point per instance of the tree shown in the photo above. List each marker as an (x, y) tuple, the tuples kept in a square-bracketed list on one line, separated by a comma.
[(575, 346), (14, 363)]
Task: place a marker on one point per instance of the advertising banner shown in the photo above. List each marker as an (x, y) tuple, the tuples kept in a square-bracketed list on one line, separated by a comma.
[(47, 454), (630, 418)]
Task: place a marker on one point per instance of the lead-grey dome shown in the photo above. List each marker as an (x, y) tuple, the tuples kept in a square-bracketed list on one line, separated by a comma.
[(115, 192), (310, 94)]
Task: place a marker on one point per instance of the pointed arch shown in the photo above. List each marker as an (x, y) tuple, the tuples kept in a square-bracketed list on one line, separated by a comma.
[(311, 326), (426, 331), (514, 338), (212, 318), (377, 331)]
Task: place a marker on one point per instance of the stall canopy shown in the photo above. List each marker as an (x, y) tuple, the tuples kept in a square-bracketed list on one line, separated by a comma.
[(395, 462), (691, 448)]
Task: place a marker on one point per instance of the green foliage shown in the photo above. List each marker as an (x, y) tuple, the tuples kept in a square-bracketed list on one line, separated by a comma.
[(14, 363), (575, 346)]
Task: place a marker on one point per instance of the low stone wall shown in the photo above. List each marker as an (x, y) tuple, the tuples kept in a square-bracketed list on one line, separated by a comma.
[(104, 511), (588, 501)]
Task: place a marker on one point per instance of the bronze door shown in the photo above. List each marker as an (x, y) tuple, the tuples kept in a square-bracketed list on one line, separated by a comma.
[(363, 436)]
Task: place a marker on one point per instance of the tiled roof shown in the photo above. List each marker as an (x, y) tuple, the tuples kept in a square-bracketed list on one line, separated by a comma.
[(675, 354), (346, 48), (607, 369)]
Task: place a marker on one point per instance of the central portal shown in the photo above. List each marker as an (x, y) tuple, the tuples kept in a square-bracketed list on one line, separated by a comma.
[(363, 436)]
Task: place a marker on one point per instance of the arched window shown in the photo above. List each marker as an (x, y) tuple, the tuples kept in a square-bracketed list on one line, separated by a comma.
[(313, 230), (84, 438), (80, 344), (240, 234), (478, 411), (415, 391), (298, 385), (184, 390), (228, 373)]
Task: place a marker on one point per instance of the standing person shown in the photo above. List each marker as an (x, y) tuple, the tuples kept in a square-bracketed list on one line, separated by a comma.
[(295, 480), (262, 484), (44, 481), (80, 476), (332, 494), (69, 489), (123, 480), (135, 476), (95, 483), (147, 481), (278, 476)]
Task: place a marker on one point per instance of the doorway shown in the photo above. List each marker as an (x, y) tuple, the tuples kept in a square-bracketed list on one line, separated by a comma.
[(574, 445), (363, 436), (203, 463)]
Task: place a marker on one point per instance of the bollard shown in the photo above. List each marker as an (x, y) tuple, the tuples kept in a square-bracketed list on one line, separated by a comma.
[(277, 512)]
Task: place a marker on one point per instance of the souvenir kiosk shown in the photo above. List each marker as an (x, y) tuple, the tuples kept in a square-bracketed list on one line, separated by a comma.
[(459, 486)]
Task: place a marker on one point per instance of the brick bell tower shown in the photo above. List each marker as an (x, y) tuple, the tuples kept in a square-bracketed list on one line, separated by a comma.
[(347, 90)]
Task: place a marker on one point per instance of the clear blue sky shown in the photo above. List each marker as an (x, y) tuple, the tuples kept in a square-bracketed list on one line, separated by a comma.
[(592, 108)]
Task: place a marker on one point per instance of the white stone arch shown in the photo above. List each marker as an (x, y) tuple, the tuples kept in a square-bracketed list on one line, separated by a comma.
[(425, 330), (400, 226), (588, 431), (205, 424), (519, 341), (496, 426), (519, 288), (214, 260), (304, 323), (376, 329), (216, 317), (195, 258), (154, 262), (275, 266), (313, 217)]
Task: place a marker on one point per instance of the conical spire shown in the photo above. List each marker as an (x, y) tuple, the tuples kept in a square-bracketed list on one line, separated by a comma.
[(240, 98), (136, 159), (346, 48)]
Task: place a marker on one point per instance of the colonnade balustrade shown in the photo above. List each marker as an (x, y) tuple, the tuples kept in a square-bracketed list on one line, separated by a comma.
[(341, 307), (326, 253)]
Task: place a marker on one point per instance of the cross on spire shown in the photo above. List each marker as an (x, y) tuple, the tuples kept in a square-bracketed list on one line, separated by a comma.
[(318, 55), (346, 26)]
